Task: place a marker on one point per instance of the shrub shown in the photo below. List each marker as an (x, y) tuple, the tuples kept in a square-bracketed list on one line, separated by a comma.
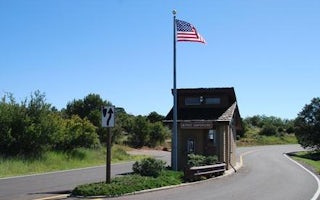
[(195, 160), (211, 160), (200, 160), (268, 130), (158, 134), (140, 132), (77, 133), (149, 167), (24, 128)]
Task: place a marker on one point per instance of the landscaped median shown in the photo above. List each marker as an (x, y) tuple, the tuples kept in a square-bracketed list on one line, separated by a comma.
[(129, 184), (149, 173)]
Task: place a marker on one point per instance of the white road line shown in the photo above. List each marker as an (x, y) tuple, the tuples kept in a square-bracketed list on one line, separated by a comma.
[(316, 195), (47, 173), (62, 196), (61, 171)]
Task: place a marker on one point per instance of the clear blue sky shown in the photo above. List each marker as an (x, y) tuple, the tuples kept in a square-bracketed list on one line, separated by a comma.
[(268, 50)]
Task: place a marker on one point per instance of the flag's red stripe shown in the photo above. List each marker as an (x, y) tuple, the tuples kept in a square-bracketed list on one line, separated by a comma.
[(189, 36)]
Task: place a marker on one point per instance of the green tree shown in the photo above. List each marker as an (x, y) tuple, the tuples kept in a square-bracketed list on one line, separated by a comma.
[(78, 133), (155, 117), (253, 121), (267, 125), (307, 125), (123, 126), (268, 130), (140, 133), (12, 125), (89, 107), (158, 134), (24, 128)]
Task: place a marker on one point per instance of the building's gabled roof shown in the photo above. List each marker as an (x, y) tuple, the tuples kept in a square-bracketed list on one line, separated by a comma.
[(196, 114), (209, 91), (228, 114), (224, 113), (216, 114)]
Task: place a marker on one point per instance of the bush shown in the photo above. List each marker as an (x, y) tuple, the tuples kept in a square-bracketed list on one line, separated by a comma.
[(140, 132), (144, 133), (211, 160), (158, 134), (74, 133), (80, 133), (200, 160), (24, 128), (195, 160), (149, 167), (268, 130)]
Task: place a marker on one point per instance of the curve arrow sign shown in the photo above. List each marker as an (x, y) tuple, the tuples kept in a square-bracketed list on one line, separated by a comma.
[(107, 116), (110, 112)]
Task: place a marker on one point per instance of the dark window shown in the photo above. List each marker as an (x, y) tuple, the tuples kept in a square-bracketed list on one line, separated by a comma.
[(213, 100), (195, 101), (192, 101)]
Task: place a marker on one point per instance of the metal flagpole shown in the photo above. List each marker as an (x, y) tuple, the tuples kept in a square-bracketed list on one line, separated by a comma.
[(174, 153)]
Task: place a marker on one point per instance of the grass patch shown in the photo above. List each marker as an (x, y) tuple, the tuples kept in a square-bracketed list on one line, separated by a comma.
[(129, 184), (311, 158), (55, 161)]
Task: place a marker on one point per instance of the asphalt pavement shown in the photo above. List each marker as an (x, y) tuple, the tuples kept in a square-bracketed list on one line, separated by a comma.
[(266, 174), (41, 186)]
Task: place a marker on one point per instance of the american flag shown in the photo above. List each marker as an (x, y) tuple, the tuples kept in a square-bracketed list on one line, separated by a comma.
[(186, 32)]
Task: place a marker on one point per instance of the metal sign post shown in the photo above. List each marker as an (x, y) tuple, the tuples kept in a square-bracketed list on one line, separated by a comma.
[(108, 122), (108, 157)]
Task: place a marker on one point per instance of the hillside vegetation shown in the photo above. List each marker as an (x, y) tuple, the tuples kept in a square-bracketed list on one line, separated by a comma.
[(263, 130)]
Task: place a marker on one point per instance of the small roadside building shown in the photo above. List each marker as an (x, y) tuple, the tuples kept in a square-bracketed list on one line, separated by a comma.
[(208, 122)]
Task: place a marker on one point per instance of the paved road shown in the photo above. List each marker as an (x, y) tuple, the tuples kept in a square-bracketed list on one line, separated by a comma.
[(44, 185), (266, 174), (32, 187)]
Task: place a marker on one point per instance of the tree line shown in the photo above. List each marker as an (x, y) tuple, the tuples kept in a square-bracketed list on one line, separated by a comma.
[(268, 125), (33, 126), (306, 126)]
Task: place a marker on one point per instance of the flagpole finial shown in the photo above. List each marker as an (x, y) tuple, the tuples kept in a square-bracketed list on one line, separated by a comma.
[(174, 12)]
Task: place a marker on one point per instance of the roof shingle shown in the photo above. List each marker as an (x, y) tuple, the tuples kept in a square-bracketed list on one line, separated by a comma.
[(228, 114)]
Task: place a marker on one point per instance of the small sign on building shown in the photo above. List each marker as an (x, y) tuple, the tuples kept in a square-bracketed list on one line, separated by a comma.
[(196, 125)]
